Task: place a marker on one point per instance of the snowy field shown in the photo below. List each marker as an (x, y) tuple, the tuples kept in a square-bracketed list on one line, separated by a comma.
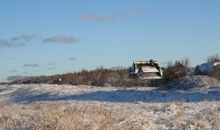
[(43, 106)]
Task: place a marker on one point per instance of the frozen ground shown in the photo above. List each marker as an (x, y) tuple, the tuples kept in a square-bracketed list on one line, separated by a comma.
[(42, 106)]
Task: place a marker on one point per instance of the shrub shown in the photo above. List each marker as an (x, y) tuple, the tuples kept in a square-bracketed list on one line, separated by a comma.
[(215, 73), (213, 58), (175, 71)]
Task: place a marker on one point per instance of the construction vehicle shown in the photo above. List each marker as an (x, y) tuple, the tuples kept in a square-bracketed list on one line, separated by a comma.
[(145, 70)]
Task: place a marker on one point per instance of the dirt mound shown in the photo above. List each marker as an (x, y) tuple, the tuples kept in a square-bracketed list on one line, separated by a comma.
[(189, 82)]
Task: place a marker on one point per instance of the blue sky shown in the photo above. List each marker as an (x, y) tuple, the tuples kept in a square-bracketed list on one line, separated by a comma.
[(44, 37)]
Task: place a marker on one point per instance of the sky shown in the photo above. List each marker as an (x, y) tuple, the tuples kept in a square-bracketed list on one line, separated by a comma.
[(46, 37)]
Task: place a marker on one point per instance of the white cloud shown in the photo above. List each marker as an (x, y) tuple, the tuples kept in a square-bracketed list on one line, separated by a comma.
[(51, 68), (121, 15), (25, 38), (31, 65), (72, 58), (61, 39), (21, 40), (4, 43)]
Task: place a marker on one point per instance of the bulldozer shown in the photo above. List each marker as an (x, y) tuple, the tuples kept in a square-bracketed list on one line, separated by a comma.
[(145, 70)]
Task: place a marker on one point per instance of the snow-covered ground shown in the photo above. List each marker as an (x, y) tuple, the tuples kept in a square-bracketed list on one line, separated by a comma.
[(43, 106)]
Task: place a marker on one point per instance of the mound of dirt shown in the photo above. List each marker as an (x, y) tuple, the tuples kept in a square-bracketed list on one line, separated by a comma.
[(189, 82)]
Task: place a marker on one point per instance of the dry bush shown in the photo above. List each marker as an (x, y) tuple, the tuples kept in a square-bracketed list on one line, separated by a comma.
[(176, 71), (118, 77), (213, 58), (215, 73)]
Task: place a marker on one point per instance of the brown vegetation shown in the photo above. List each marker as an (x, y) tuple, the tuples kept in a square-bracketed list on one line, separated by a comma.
[(98, 77), (119, 77), (213, 58), (64, 116), (215, 73), (175, 71)]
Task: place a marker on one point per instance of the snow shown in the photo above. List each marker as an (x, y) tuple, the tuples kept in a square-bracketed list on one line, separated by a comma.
[(44, 92), (157, 107)]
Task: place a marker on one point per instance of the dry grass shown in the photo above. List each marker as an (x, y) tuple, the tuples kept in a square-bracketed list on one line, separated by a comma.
[(27, 107), (48, 117), (66, 116)]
